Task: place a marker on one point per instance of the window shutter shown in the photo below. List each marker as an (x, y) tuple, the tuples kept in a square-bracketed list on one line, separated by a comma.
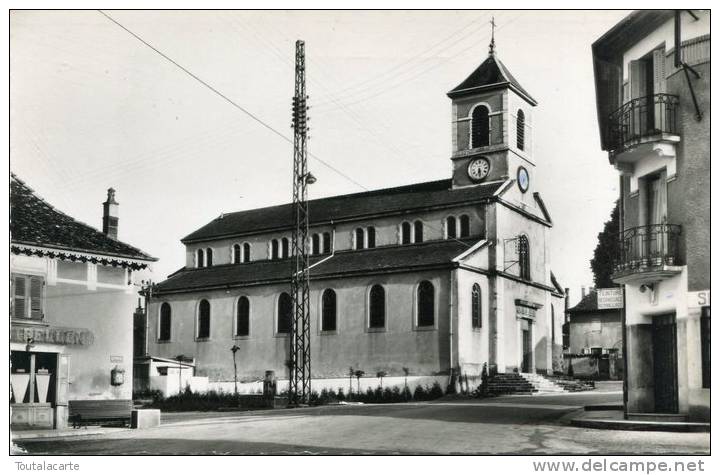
[(637, 79), (36, 300), (659, 71), (63, 380), (19, 297)]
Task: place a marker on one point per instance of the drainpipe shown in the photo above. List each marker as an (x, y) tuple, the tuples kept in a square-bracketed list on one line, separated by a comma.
[(450, 331), (624, 313)]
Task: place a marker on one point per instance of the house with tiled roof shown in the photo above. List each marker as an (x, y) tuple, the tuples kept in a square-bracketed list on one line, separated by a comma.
[(432, 280), (596, 338), (73, 293)]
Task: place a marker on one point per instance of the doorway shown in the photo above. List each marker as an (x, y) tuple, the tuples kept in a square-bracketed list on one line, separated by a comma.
[(665, 378), (33, 381), (526, 342)]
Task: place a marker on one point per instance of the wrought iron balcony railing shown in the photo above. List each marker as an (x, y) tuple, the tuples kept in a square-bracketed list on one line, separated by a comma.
[(647, 248), (642, 117)]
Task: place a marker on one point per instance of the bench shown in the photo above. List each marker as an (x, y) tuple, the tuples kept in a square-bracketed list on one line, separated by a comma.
[(99, 412)]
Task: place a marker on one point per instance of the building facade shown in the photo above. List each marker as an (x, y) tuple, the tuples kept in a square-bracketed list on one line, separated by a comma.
[(73, 293), (427, 282), (652, 74)]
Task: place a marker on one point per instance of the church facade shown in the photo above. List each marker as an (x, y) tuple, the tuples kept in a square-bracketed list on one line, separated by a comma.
[(429, 281)]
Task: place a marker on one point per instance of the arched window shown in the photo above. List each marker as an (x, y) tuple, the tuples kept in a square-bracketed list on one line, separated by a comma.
[(246, 252), (480, 127), (520, 130), (285, 311), (242, 321), (285, 247), (203, 327), (418, 226), (464, 226), (405, 233), (426, 304), (236, 254), (315, 249), (359, 238), (377, 307), (209, 257), (274, 249), (450, 227), (370, 237), (329, 310), (524, 256), (165, 322), (327, 243), (476, 306), (200, 259)]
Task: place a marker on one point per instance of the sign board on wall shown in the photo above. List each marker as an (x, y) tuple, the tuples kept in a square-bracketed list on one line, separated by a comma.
[(609, 298), (699, 299)]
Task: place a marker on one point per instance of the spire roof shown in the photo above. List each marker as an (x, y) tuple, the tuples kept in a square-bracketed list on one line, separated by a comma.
[(491, 74)]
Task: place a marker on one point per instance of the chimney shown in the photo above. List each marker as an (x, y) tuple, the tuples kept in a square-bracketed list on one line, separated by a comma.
[(567, 303), (110, 215), (582, 290)]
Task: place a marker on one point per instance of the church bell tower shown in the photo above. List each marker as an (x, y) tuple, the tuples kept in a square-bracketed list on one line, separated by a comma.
[(491, 127)]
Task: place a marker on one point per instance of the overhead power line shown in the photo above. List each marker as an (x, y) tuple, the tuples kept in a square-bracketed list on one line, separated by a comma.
[(226, 98)]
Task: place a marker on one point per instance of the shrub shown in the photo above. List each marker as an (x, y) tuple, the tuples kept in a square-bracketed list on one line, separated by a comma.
[(420, 394), (406, 395), (341, 394), (435, 391)]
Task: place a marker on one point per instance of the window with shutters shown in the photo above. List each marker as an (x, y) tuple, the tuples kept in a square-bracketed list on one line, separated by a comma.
[(28, 292), (329, 311), (242, 319), (165, 322), (480, 127), (203, 325), (476, 306), (376, 307)]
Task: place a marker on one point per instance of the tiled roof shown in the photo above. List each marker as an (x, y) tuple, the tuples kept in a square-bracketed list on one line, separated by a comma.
[(382, 259), (336, 208), (35, 222), (491, 74)]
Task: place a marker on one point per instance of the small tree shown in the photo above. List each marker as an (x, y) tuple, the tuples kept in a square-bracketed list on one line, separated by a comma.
[(406, 371), (352, 374), (359, 374), (381, 375)]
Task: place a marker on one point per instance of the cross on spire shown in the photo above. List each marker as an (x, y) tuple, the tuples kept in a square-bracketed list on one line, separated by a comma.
[(492, 37)]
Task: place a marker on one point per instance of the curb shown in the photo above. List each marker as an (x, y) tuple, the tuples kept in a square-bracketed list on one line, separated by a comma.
[(641, 425)]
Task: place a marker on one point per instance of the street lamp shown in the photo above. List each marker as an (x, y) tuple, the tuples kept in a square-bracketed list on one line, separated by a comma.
[(309, 178), (234, 350)]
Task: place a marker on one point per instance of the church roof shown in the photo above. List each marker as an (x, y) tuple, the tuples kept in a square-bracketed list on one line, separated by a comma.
[(396, 258), (491, 74), (401, 199), (35, 222)]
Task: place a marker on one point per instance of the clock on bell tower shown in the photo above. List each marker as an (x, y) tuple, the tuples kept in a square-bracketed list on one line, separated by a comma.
[(491, 127)]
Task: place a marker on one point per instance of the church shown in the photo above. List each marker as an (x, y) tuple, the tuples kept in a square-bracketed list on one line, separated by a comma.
[(420, 283)]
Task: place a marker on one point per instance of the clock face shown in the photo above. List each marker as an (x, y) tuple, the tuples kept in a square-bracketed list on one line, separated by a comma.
[(478, 169), (523, 179)]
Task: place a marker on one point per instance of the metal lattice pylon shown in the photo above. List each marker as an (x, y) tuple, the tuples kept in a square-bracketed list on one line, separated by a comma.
[(299, 388)]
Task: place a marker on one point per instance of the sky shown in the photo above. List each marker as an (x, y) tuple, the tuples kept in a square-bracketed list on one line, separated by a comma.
[(92, 107)]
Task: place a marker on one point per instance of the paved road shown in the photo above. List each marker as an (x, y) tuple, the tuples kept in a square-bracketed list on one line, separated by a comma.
[(507, 425)]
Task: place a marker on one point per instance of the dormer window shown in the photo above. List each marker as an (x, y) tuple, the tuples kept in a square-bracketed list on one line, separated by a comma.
[(480, 127)]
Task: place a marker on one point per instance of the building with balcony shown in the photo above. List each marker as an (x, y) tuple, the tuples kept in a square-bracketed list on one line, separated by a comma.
[(652, 78), (73, 290), (424, 282)]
